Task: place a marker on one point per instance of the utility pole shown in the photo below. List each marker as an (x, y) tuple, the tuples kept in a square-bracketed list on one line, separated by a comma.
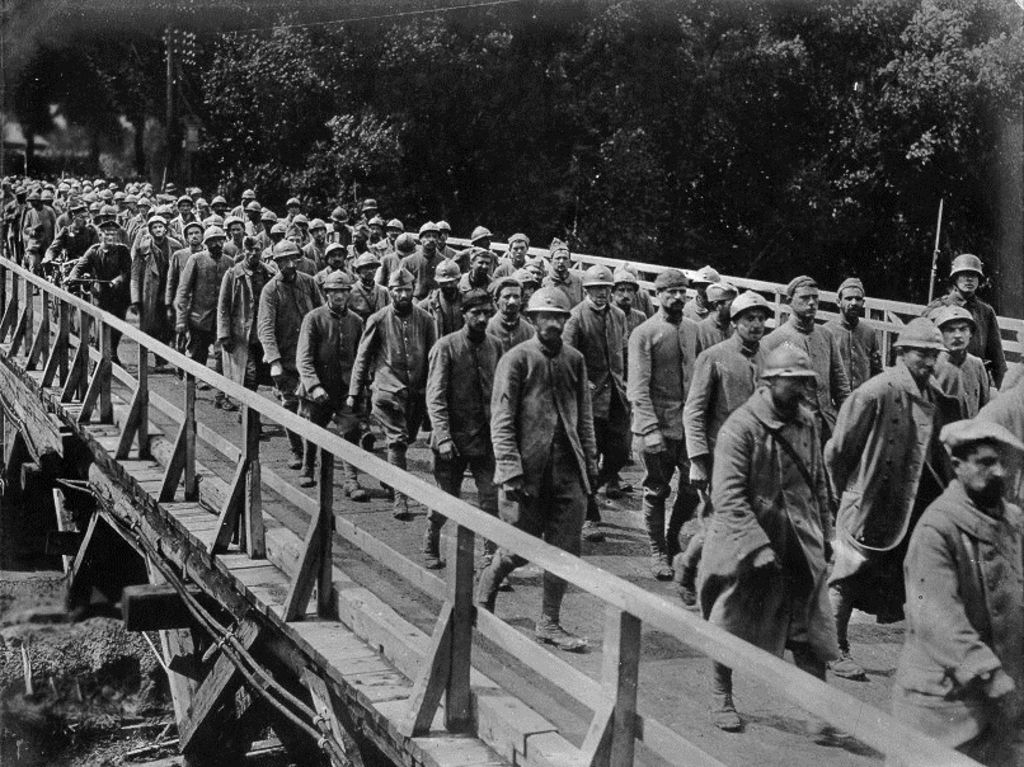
[(3, 86), (171, 131)]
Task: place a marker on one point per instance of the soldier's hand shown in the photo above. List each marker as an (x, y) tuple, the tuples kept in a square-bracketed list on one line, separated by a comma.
[(654, 443), (699, 473), (276, 370), (514, 489), (1000, 685), (764, 557), (351, 402), (227, 344), (446, 451), (319, 395)]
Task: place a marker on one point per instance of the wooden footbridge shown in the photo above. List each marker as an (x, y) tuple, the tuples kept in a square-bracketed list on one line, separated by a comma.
[(189, 531)]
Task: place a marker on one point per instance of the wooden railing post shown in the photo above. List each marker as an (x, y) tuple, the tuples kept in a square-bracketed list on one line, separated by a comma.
[(39, 348), (98, 392), (449, 658), (255, 538), (189, 425), (79, 370), (30, 316), (611, 739), (10, 315), (316, 562)]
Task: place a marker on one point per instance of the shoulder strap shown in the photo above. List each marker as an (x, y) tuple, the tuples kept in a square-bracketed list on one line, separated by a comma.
[(800, 465)]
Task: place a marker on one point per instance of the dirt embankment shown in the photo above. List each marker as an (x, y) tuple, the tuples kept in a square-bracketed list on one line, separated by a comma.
[(82, 693)]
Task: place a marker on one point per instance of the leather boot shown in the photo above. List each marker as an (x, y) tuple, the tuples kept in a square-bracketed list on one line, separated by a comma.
[(432, 547), (400, 507), (351, 487)]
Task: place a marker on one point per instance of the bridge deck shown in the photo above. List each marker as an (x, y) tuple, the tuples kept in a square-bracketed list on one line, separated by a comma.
[(379, 651)]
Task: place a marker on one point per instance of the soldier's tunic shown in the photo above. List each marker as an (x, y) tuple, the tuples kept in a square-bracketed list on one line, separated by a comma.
[(966, 380), (858, 348)]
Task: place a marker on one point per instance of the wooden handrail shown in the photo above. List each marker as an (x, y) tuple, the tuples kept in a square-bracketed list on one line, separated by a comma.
[(871, 726)]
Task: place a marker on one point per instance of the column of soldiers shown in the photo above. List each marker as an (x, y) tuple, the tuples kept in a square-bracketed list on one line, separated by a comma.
[(812, 481)]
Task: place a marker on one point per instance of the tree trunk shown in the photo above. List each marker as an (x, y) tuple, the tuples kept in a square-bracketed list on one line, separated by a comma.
[(1009, 272), (140, 147)]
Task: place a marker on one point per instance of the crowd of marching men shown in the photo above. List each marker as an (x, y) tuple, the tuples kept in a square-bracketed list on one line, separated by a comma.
[(818, 480)]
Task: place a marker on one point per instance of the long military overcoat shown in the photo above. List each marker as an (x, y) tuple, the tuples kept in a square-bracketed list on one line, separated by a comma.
[(237, 305)]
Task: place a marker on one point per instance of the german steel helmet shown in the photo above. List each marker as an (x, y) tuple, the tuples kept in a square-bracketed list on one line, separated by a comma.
[(966, 262), (787, 361), (549, 300)]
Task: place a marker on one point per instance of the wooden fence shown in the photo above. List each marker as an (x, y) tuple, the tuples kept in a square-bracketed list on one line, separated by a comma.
[(86, 374)]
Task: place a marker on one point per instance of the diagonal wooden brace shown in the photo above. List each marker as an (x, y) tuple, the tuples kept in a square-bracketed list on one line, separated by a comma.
[(334, 720)]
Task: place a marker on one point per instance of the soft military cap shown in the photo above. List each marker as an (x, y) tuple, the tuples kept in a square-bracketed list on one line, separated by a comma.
[(795, 284), (519, 237), (669, 279), (476, 297), (526, 276), (401, 278), (850, 283), (969, 432)]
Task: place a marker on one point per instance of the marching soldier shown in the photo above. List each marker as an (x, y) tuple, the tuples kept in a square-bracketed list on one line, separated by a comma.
[(109, 265), (716, 327), (698, 308), (856, 338), (479, 275), (393, 353), (546, 458), (662, 352), (285, 300), (460, 380), (328, 340), (518, 248), (444, 304), (960, 673), (237, 310), (561, 276), (157, 238), (598, 331), (724, 377), (508, 325), (763, 574), (624, 294), (367, 296), (800, 330), (959, 373), (422, 262), (886, 466), (73, 240)]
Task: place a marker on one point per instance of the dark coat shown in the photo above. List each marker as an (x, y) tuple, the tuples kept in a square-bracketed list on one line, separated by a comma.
[(195, 303), (393, 352), (858, 348), (986, 341), (103, 263), (282, 307), (328, 341), (600, 335), (237, 309), (508, 338), (761, 498), (535, 393)]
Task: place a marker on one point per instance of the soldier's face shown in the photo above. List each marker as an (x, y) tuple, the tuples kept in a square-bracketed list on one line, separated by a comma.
[(338, 299), (185, 208), (79, 220), (967, 283), (219, 208), (750, 325), (599, 296), (510, 300), (852, 304), (983, 474), (194, 236), (476, 319), (956, 335), (215, 245), (429, 242), (319, 236), (920, 363), (787, 392), (158, 230), (109, 236), (286, 265), (624, 295), (560, 262), (480, 264), (366, 274), (672, 300), (402, 296), (517, 251), (805, 303), (549, 325), (393, 234), (236, 231)]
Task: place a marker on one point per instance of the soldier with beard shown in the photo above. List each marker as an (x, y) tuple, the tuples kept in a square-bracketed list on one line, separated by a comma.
[(393, 354), (508, 325), (444, 304), (857, 339), (422, 263), (561, 276), (367, 296)]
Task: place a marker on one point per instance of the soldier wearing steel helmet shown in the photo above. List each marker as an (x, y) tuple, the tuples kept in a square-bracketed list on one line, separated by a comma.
[(717, 325), (959, 373), (724, 377), (422, 262), (237, 318), (966, 273), (178, 253), (662, 352), (698, 308), (195, 302), (624, 293), (38, 226), (109, 263), (328, 341), (597, 329), (334, 259), (855, 336), (316, 249), (444, 231), (546, 458), (285, 300), (478, 275), (393, 355), (763, 574), (444, 304), (406, 245), (149, 289), (367, 296), (886, 466)]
